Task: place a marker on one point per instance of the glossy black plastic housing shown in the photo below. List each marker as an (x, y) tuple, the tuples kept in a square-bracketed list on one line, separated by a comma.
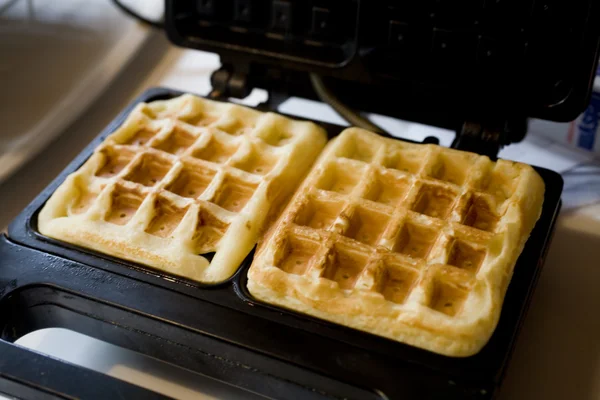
[(472, 59), (44, 282)]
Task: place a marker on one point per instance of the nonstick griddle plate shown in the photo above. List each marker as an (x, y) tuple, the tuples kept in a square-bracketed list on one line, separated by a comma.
[(226, 311)]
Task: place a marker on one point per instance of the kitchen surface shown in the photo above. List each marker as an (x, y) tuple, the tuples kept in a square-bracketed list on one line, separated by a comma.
[(558, 352), (67, 54)]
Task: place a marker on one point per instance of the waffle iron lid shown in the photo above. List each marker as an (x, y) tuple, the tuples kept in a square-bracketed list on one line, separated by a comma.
[(439, 62)]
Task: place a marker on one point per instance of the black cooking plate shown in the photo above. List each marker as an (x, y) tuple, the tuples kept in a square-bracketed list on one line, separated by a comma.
[(45, 282)]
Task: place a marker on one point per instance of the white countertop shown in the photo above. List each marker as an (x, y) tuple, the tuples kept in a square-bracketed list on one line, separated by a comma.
[(558, 352)]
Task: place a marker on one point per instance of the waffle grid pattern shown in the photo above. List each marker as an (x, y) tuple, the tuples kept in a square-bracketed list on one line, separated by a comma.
[(416, 225), (191, 177)]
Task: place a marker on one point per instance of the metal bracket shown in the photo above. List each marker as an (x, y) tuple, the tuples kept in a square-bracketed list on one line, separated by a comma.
[(488, 138), (226, 83)]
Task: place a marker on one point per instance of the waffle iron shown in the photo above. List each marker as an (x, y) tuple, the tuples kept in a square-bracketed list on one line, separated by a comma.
[(480, 68)]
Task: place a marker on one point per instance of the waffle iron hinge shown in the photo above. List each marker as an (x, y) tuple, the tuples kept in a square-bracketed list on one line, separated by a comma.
[(487, 138), (228, 83), (238, 81)]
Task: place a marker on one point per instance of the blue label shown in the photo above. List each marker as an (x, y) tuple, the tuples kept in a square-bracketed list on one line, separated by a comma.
[(589, 123)]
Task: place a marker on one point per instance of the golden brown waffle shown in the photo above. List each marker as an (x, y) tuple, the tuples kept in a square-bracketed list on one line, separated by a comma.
[(184, 178), (416, 243)]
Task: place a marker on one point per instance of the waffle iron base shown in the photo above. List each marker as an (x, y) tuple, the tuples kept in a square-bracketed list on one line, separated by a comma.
[(221, 332)]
